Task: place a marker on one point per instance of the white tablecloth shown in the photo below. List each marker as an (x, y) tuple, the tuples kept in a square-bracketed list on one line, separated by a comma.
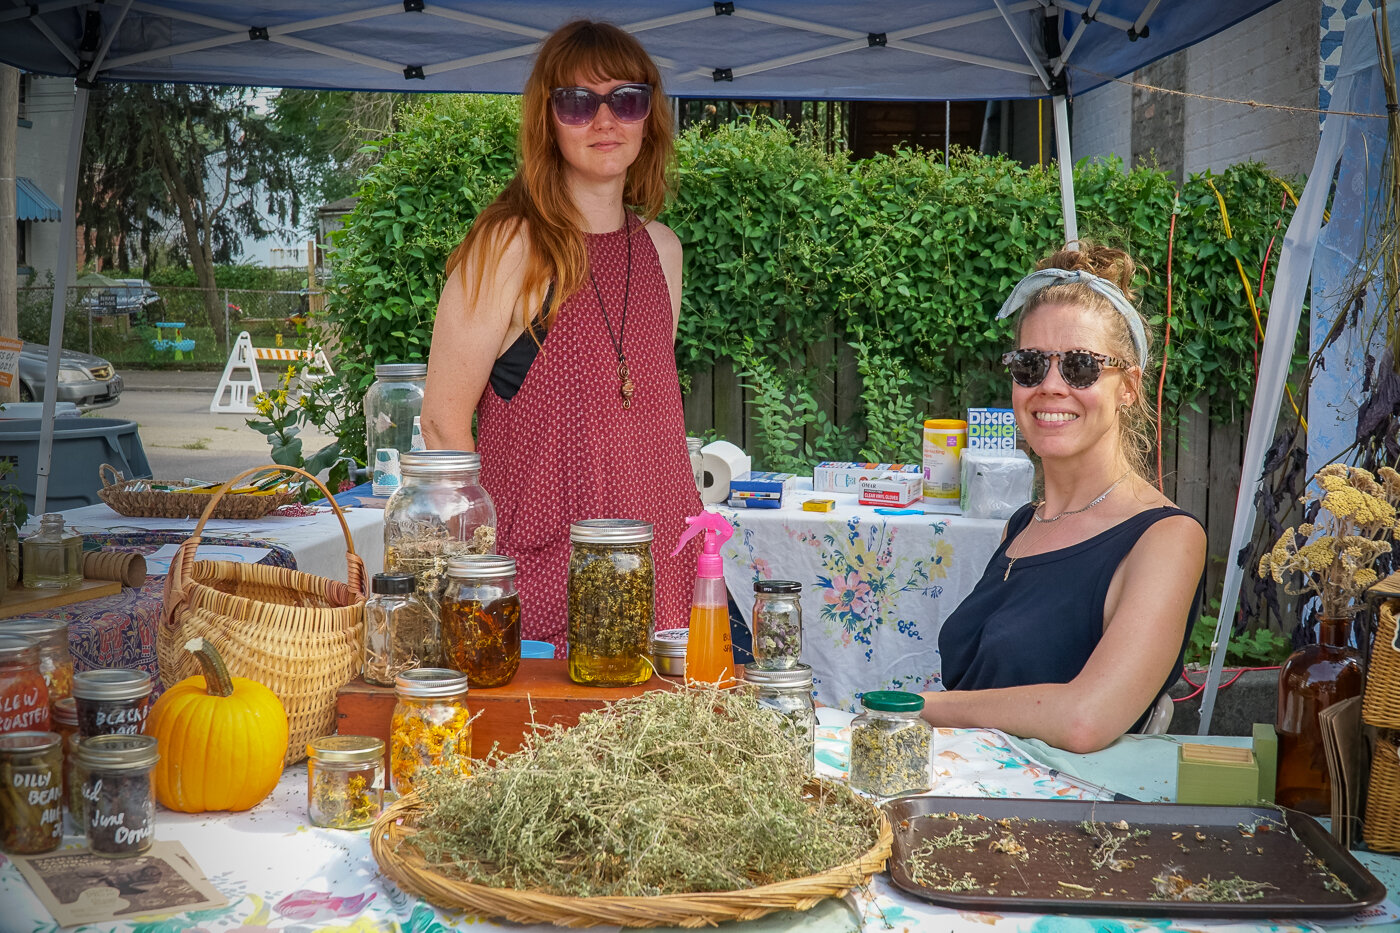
[(875, 588)]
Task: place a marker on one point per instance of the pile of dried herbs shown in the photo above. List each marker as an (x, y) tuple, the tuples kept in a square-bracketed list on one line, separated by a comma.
[(666, 793)]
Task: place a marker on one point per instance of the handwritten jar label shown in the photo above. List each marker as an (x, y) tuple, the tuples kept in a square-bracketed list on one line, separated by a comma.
[(31, 793), (120, 812), (112, 717)]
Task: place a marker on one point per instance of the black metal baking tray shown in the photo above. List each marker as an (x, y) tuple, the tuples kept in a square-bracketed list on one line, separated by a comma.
[(1183, 841)]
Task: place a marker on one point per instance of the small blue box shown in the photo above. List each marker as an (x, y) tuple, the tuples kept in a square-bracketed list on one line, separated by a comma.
[(760, 490)]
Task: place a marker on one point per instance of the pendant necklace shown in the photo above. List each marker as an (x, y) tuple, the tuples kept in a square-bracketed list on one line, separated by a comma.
[(625, 386), (1102, 496)]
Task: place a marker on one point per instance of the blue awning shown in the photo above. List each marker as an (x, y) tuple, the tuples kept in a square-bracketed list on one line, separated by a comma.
[(32, 203)]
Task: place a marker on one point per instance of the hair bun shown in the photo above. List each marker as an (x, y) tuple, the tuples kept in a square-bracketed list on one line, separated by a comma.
[(1106, 262)]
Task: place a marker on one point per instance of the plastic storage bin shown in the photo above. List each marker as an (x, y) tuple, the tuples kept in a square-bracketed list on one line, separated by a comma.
[(80, 447)]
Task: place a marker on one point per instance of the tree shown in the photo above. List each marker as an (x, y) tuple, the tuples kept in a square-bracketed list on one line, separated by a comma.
[(207, 158), (334, 127)]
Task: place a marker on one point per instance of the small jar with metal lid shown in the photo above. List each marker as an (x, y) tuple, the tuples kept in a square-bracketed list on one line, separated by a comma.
[(55, 660), (401, 632), (788, 693), (431, 729), (668, 651), (344, 781), (31, 792), (112, 701), (24, 697), (393, 400), (118, 803), (481, 619), (777, 624), (891, 745), (612, 601)]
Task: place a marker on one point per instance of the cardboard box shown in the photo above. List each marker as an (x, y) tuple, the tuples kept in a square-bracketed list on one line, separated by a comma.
[(897, 489), (760, 490), (755, 500), (845, 476), (1216, 774), (991, 429)]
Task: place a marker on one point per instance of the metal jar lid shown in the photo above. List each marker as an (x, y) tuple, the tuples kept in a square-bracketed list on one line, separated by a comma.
[(610, 531), (799, 675), (111, 683), (400, 370), (346, 749), (28, 743), (65, 712), (482, 567), (439, 462), (777, 586), (118, 752), (18, 648), (670, 642), (41, 630), (422, 683)]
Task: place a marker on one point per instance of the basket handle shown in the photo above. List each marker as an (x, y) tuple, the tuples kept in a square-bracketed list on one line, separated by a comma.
[(117, 477)]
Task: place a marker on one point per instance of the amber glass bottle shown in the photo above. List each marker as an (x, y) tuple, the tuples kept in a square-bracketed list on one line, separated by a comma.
[(1312, 679)]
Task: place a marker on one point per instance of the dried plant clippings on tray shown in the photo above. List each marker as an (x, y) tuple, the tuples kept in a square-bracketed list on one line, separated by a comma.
[(1171, 886), (665, 793), (1106, 854)]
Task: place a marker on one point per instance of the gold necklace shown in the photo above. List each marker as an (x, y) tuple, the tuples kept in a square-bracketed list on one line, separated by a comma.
[(1012, 560), (1102, 496)]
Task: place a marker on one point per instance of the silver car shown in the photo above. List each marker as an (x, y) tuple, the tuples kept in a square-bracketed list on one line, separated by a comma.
[(85, 380)]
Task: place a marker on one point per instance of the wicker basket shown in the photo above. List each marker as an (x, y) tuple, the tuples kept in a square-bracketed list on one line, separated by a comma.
[(296, 633), (132, 499), (1381, 828), (1380, 704), (408, 869)]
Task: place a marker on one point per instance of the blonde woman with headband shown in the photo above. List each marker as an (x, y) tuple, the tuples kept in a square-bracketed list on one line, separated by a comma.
[(1081, 619)]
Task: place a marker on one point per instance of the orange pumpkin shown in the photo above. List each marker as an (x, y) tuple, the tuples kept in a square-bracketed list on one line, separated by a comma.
[(223, 739)]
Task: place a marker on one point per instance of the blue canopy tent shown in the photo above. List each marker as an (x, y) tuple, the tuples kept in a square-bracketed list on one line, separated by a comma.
[(773, 49)]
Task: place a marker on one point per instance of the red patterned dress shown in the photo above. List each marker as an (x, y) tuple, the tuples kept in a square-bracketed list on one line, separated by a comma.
[(563, 448)]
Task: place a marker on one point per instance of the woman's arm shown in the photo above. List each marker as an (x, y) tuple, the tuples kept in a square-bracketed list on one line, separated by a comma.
[(466, 342), (668, 250), (1145, 615)]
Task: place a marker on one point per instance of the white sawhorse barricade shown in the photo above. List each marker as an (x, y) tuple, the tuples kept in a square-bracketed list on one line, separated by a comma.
[(241, 379)]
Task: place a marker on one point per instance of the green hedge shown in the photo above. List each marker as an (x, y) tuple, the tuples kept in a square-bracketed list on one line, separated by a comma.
[(902, 259)]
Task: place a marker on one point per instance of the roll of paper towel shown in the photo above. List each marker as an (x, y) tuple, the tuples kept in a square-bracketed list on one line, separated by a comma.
[(723, 462)]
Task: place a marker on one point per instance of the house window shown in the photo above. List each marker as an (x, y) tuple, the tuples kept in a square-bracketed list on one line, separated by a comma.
[(24, 100), (21, 242)]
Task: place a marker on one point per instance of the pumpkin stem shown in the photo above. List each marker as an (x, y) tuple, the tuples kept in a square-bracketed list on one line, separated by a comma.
[(216, 676)]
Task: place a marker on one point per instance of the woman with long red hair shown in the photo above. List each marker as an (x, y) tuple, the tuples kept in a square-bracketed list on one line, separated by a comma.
[(557, 325)]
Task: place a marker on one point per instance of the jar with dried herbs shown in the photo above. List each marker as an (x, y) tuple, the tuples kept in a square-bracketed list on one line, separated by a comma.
[(55, 660), (777, 624), (431, 728), (891, 745), (24, 697), (481, 619), (118, 801), (344, 781), (401, 633), (112, 701), (440, 512), (612, 601), (31, 792), (788, 693)]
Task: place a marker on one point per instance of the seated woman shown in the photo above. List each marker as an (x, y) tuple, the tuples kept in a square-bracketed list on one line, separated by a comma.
[(1081, 618)]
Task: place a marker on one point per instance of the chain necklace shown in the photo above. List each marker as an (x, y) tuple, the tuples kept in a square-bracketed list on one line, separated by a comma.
[(625, 386), (1102, 496)]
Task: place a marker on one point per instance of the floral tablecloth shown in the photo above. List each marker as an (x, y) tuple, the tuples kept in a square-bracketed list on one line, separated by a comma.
[(281, 874), (875, 588)]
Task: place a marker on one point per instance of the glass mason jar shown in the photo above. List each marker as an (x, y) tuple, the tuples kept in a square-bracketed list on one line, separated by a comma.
[(112, 701), (24, 697), (612, 601), (344, 781), (401, 633), (481, 619), (1313, 678), (440, 512), (118, 802), (55, 660), (431, 728), (9, 537), (392, 402), (65, 723), (788, 693), (53, 555), (891, 745), (697, 461), (31, 792), (777, 624)]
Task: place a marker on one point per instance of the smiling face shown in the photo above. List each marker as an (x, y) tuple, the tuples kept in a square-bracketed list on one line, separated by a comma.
[(1061, 422), (604, 148)]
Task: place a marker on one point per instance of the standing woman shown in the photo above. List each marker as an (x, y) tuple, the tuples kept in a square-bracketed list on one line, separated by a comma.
[(1081, 618), (557, 327)]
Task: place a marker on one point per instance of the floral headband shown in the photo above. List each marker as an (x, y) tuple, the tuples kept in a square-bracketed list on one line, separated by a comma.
[(1045, 278)]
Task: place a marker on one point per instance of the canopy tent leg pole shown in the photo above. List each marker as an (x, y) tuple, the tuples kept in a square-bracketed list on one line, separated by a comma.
[(67, 258), (1066, 161)]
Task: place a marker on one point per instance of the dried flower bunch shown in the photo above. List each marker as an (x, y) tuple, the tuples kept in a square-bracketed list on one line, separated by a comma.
[(1335, 555)]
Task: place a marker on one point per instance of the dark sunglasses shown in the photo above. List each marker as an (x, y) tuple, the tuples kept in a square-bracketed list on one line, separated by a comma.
[(577, 106), (1078, 368)]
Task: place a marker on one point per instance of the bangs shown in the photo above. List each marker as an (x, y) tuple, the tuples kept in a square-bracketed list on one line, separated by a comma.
[(596, 52)]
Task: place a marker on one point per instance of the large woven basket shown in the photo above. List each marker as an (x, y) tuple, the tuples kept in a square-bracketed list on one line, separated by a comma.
[(135, 499), (296, 633), (1381, 827), (1380, 703), (405, 865)]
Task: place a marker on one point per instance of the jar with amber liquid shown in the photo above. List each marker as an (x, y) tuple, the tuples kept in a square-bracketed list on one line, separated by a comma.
[(431, 729), (55, 660), (612, 601), (1313, 678), (24, 697), (481, 619)]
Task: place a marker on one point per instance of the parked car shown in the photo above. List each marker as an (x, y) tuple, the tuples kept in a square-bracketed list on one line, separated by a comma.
[(85, 380), (127, 296)]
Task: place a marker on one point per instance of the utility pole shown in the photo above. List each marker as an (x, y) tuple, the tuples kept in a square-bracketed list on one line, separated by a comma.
[(9, 225)]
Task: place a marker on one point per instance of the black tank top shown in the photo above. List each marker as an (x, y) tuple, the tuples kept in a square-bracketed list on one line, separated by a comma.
[(1041, 624), (509, 371)]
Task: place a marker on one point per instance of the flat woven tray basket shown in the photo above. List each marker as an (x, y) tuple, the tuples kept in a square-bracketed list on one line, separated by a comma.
[(135, 499), (405, 865)]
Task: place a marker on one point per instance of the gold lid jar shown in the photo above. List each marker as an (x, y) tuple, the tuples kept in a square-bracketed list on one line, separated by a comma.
[(344, 781)]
